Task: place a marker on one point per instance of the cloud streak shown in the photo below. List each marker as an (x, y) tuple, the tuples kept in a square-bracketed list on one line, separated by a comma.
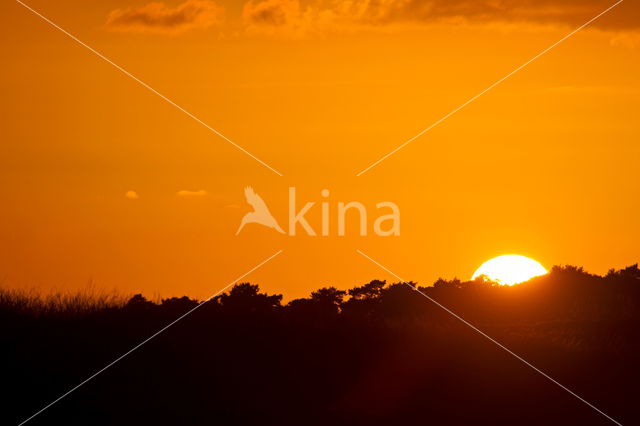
[(159, 18), (187, 193)]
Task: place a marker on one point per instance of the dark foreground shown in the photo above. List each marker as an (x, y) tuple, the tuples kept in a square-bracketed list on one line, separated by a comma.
[(380, 354)]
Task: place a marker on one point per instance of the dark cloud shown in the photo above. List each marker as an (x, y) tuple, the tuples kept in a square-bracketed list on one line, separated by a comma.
[(159, 18), (319, 13), (271, 12), (570, 12)]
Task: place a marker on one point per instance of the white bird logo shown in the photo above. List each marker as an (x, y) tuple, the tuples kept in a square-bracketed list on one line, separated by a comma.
[(260, 213)]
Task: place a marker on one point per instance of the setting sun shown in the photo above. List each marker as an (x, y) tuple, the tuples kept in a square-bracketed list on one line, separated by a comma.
[(510, 269)]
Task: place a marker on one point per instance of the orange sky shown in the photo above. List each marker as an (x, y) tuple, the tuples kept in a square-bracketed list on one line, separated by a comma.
[(544, 165)]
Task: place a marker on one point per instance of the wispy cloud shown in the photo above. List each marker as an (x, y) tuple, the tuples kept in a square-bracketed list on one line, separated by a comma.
[(160, 18), (188, 193), (131, 195)]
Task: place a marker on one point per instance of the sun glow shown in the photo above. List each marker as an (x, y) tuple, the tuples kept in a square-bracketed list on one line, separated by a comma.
[(510, 269)]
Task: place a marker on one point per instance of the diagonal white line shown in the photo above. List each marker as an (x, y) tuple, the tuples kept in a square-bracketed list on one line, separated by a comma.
[(152, 336), (488, 337), (145, 85), (487, 89)]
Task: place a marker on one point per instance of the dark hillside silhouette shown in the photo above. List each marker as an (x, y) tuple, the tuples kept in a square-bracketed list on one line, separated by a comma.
[(379, 353)]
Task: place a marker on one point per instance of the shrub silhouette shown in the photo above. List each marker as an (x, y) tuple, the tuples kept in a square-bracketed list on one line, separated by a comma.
[(377, 353)]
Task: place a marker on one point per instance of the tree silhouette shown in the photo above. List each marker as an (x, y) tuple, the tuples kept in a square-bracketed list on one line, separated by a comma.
[(377, 353)]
